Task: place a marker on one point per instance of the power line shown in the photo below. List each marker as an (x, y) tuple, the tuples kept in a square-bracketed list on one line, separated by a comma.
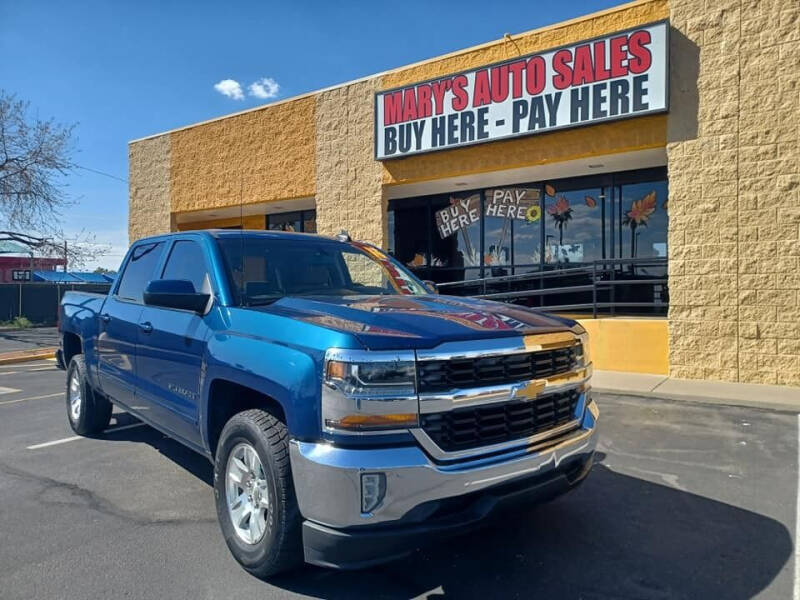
[(102, 173)]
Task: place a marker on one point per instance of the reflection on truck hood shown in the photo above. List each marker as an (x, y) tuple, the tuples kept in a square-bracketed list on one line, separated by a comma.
[(415, 321)]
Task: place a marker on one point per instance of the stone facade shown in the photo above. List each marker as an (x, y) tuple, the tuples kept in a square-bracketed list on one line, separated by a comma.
[(734, 177), (349, 193), (149, 203)]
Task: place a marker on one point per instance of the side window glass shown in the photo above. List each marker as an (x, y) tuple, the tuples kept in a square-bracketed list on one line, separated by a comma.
[(186, 261), (139, 271)]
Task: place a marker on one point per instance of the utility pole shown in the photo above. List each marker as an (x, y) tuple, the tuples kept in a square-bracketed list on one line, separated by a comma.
[(65, 256)]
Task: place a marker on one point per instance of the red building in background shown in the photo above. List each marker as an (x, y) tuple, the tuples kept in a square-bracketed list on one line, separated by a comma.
[(17, 269)]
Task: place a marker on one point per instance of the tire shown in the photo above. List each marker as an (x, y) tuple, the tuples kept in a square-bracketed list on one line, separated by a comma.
[(88, 411), (279, 546)]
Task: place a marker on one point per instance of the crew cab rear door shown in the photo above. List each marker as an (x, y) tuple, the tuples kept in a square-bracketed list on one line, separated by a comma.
[(118, 329), (171, 345)]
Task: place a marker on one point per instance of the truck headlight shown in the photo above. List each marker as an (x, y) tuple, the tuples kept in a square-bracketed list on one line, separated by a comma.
[(369, 392)]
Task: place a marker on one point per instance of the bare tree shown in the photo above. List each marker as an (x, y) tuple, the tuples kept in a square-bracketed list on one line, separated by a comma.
[(35, 156)]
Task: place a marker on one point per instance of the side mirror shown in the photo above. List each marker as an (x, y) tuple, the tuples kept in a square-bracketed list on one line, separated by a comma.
[(431, 285), (175, 293)]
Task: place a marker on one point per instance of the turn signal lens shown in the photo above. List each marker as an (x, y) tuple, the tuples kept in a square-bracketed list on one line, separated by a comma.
[(369, 422), (337, 369)]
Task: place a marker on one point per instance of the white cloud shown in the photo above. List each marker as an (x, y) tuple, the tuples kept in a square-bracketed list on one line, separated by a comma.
[(264, 88), (230, 88)]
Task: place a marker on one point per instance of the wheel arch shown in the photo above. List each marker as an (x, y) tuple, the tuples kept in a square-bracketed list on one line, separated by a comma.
[(227, 398)]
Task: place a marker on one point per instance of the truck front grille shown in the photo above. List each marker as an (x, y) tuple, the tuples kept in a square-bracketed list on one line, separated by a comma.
[(443, 375), (474, 427)]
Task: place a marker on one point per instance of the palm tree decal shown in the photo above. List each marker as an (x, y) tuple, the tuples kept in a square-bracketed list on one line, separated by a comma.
[(638, 215), (561, 213)]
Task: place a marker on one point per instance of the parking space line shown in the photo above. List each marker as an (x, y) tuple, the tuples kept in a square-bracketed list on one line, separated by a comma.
[(8, 390), (796, 594), (31, 398), (80, 437)]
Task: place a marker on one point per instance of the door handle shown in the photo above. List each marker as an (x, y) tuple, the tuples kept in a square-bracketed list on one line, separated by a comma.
[(147, 326), (105, 317)]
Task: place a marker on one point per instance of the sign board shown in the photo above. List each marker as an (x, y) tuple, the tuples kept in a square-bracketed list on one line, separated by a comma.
[(461, 213), (514, 203), (613, 77), (20, 275), (509, 203)]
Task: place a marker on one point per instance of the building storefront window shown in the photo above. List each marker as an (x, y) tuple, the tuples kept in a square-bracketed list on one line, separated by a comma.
[(525, 228), (301, 221)]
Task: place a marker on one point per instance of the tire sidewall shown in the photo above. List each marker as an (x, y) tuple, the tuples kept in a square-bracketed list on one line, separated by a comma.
[(266, 549), (78, 368)]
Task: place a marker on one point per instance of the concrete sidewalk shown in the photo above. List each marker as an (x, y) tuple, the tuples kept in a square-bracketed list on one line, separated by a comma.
[(775, 397)]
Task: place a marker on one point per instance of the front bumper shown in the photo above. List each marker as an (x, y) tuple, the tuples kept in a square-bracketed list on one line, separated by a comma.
[(424, 495)]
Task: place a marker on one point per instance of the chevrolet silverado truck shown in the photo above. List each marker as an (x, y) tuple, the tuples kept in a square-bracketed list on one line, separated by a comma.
[(349, 411)]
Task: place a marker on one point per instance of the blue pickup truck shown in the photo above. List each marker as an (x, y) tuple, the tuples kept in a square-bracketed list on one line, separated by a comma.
[(350, 412)]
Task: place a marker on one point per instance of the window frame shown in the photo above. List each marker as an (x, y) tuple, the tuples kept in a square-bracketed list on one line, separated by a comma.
[(128, 259), (171, 249)]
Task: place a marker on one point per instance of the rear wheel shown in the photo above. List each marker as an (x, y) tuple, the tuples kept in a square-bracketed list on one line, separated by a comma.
[(88, 412), (256, 504)]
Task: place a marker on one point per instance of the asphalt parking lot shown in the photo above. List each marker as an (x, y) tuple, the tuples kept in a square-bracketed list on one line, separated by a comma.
[(687, 501)]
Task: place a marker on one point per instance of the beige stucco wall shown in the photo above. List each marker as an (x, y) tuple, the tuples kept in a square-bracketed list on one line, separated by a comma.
[(257, 156), (734, 177), (149, 187)]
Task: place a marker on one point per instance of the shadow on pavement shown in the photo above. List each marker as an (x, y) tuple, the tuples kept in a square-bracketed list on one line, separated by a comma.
[(12, 340), (614, 537)]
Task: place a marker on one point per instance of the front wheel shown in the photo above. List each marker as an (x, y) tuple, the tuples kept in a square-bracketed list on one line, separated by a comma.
[(88, 412), (256, 504)]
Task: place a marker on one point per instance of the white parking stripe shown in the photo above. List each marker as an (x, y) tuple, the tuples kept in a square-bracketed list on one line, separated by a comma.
[(797, 520), (31, 398), (79, 437), (7, 390)]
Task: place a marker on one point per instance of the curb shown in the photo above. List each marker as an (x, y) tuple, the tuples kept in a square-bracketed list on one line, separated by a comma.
[(10, 358), (771, 405)]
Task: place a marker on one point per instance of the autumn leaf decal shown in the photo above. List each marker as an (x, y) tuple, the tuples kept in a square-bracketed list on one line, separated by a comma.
[(550, 191), (642, 209), (590, 202), (639, 214)]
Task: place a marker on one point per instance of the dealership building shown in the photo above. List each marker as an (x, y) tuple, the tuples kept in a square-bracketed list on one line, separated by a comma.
[(651, 147)]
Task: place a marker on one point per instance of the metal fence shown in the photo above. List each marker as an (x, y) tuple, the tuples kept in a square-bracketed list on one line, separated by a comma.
[(38, 302), (610, 286)]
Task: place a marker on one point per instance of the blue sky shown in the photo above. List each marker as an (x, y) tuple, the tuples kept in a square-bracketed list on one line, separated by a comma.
[(127, 69)]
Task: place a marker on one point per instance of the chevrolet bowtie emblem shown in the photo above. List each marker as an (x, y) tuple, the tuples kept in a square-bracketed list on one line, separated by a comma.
[(528, 390)]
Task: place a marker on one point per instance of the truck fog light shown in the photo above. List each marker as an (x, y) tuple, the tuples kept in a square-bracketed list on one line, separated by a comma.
[(373, 489)]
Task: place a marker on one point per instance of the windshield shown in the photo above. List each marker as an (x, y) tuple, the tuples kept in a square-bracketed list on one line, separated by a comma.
[(263, 270)]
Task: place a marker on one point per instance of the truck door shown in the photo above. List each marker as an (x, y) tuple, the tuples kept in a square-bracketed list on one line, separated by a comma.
[(171, 346), (119, 324)]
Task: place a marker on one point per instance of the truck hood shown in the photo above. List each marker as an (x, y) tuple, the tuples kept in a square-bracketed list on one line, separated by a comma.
[(394, 322)]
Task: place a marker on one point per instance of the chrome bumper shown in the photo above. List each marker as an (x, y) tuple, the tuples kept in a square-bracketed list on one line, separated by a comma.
[(328, 478)]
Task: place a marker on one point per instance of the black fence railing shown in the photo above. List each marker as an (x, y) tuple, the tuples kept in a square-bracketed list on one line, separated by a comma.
[(609, 286), (38, 302)]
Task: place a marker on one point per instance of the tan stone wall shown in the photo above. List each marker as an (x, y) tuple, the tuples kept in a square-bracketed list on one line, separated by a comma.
[(149, 187), (735, 191), (349, 187), (257, 156)]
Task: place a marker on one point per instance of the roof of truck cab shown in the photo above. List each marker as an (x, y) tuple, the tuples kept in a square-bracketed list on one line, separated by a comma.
[(237, 233)]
